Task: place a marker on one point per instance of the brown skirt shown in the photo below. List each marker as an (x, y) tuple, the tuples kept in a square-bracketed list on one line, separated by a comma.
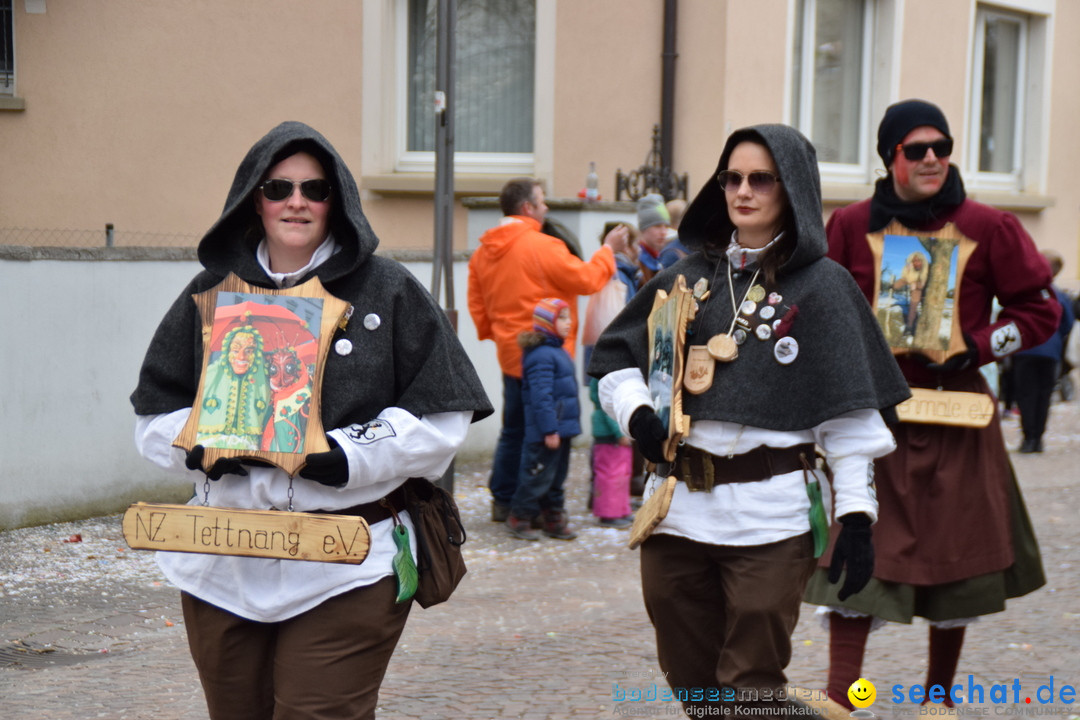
[(970, 597)]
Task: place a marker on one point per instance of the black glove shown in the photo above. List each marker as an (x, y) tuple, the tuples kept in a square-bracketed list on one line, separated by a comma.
[(223, 466), (853, 549), (956, 363), (648, 430), (327, 468)]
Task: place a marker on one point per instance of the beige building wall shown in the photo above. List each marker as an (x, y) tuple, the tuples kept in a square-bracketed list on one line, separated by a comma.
[(137, 113)]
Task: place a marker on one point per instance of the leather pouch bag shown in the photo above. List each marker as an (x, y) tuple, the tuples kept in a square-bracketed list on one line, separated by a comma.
[(439, 537)]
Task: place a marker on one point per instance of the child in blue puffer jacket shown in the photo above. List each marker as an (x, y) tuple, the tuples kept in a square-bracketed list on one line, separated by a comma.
[(549, 392)]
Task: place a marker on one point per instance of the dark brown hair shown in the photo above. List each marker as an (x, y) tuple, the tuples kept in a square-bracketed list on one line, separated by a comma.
[(515, 193)]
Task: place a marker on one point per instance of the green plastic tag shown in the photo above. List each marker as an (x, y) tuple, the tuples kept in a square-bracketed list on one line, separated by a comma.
[(819, 524), (404, 567)]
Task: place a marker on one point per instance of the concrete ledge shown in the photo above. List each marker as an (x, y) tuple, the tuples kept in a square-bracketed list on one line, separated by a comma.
[(1013, 202), (845, 194), (25, 253), (423, 184), (16, 104), (28, 253), (492, 203)]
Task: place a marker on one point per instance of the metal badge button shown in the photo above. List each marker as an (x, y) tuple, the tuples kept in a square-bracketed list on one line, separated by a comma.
[(372, 321), (763, 332), (767, 312), (343, 346), (786, 350)]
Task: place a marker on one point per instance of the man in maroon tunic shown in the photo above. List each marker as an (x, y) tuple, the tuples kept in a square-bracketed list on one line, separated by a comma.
[(953, 540)]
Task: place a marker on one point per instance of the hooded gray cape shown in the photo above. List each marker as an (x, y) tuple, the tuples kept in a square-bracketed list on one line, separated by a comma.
[(412, 360), (843, 362)]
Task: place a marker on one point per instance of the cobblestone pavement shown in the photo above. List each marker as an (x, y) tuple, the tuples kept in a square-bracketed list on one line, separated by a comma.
[(538, 631)]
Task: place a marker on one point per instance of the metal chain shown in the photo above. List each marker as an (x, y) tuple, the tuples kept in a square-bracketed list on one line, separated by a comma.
[(206, 492), (290, 495)]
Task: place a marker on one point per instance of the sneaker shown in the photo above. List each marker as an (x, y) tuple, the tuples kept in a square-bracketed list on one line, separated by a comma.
[(555, 525), (620, 523), (521, 528), (499, 512)]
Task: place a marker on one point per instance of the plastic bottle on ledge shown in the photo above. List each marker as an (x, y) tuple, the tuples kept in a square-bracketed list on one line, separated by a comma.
[(592, 185)]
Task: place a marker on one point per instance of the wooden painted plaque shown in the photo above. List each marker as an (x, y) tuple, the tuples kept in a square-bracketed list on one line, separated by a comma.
[(667, 359), (264, 354), (250, 533), (946, 407), (917, 288), (651, 512)]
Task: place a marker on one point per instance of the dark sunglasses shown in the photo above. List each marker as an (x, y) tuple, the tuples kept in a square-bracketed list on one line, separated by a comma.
[(278, 189), (761, 181), (917, 151)]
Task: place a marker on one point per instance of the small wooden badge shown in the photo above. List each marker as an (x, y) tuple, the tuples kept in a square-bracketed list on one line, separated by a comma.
[(651, 512), (264, 355), (723, 348), (917, 288), (250, 533), (946, 407), (700, 368)]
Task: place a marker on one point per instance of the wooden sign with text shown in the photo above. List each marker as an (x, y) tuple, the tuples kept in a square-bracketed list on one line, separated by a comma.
[(250, 533), (946, 407)]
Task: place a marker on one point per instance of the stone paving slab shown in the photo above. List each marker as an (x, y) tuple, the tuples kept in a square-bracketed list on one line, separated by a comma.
[(536, 631)]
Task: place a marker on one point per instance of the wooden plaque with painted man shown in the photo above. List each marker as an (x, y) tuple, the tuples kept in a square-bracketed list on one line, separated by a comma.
[(917, 289), (264, 352)]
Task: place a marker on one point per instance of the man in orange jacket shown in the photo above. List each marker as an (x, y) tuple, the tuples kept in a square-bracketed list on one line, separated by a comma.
[(514, 268)]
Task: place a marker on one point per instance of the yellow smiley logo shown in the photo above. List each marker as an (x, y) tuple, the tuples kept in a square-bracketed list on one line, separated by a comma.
[(862, 693)]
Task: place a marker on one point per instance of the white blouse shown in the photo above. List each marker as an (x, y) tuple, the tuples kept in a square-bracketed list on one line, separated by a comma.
[(757, 513)]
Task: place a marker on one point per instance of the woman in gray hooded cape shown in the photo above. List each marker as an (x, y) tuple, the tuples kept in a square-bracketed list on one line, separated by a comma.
[(290, 638), (799, 364)]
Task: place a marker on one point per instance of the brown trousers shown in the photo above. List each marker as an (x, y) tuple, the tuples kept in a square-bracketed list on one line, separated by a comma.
[(724, 615), (325, 664)]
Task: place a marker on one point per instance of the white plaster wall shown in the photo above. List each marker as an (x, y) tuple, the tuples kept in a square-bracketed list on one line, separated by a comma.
[(74, 334)]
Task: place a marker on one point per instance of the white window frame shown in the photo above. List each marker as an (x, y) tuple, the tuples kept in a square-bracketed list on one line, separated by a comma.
[(876, 78), (385, 97), (1031, 121)]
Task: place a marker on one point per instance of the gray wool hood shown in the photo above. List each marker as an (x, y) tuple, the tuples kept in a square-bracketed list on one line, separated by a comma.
[(399, 349), (842, 362), (706, 222), (229, 245)]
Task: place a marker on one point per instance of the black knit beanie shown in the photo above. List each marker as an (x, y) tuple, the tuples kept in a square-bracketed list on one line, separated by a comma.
[(903, 117)]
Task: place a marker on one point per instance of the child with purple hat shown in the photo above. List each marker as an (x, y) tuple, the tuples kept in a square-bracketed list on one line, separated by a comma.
[(549, 392)]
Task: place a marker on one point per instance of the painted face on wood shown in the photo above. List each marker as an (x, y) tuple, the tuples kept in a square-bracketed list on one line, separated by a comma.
[(284, 368), (241, 352)]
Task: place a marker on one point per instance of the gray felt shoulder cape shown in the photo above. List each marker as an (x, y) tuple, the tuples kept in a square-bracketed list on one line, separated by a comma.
[(412, 359), (843, 362)]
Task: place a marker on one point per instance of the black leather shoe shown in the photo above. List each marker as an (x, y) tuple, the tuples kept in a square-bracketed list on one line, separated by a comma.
[(1031, 445)]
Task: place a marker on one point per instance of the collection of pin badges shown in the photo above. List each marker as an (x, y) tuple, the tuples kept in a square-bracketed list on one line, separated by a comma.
[(344, 346), (759, 307)]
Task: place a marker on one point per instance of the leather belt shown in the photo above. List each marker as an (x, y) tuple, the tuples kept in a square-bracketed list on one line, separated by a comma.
[(373, 512), (701, 470)]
